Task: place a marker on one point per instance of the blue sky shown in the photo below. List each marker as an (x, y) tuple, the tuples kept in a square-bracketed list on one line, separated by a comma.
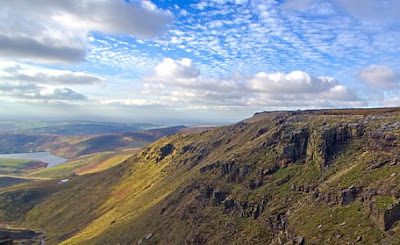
[(211, 61)]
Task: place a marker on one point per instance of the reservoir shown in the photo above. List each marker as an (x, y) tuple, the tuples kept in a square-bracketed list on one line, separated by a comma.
[(38, 156)]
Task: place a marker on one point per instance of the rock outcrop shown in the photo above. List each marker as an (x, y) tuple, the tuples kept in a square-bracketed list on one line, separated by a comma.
[(349, 195), (384, 218), (296, 145), (165, 151)]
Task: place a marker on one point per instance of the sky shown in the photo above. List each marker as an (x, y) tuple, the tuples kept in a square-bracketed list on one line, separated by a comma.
[(215, 61)]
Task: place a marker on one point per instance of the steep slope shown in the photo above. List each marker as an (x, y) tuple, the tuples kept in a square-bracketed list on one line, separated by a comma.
[(310, 177)]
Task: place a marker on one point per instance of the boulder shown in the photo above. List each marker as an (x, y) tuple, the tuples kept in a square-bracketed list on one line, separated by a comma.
[(270, 171), (349, 195), (229, 205), (376, 134), (390, 137)]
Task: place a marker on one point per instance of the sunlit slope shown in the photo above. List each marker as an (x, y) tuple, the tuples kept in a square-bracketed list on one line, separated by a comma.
[(316, 177), (85, 164), (19, 166)]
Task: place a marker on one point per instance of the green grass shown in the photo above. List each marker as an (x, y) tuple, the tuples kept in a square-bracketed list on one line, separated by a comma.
[(382, 202), (347, 221), (83, 165), (19, 166)]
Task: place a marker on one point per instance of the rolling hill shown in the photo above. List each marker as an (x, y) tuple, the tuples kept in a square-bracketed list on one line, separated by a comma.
[(78, 145), (302, 177), (71, 127)]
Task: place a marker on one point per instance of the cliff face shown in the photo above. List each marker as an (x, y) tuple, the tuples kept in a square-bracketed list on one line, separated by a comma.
[(313, 177), (328, 140)]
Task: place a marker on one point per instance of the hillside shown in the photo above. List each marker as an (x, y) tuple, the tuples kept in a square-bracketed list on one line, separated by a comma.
[(303, 177)]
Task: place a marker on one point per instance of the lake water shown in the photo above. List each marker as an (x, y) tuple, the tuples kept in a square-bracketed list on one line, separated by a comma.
[(38, 156)]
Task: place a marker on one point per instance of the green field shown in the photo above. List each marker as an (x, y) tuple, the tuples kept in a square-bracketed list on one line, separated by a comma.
[(19, 166), (83, 165)]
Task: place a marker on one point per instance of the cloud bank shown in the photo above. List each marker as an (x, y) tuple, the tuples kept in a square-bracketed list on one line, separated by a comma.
[(180, 82), (56, 31), (27, 82)]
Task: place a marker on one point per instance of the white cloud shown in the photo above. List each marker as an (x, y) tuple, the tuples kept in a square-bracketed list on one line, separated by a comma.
[(170, 68), (179, 83), (380, 77), (56, 31), (127, 102), (32, 92), (294, 82), (58, 94), (19, 72)]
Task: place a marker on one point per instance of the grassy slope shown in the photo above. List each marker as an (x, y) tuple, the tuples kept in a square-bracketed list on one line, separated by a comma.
[(83, 165), (141, 195)]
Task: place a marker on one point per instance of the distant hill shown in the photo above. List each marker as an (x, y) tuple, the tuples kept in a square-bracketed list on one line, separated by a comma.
[(303, 177), (71, 127), (88, 128), (78, 145)]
